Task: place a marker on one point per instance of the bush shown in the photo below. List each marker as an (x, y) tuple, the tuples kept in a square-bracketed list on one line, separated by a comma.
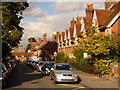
[(101, 67), (62, 58)]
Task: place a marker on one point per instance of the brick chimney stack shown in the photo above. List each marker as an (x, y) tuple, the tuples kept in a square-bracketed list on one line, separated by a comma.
[(39, 40), (60, 39), (54, 38), (63, 36), (66, 34), (89, 11), (57, 36), (78, 18), (72, 22), (45, 37)]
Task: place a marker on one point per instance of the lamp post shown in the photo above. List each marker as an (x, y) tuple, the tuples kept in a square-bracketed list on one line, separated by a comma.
[(55, 54)]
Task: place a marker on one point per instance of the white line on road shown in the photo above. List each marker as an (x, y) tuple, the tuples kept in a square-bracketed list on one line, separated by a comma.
[(72, 85)]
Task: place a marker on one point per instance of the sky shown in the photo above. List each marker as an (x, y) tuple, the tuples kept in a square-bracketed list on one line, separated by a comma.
[(51, 17)]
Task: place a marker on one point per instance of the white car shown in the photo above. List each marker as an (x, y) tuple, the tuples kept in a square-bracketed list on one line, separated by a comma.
[(63, 73)]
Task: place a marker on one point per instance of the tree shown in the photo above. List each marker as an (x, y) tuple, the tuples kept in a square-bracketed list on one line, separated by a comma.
[(94, 44), (32, 39), (27, 48), (11, 31)]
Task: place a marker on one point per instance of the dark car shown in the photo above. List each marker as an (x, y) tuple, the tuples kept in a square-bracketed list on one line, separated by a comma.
[(8, 67), (28, 62), (39, 66), (46, 68), (5, 74)]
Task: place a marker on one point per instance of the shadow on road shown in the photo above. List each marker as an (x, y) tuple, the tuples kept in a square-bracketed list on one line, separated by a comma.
[(23, 73)]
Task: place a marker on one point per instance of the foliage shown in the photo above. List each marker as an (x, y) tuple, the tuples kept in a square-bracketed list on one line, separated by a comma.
[(32, 39), (27, 48), (101, 66), (63, 58), (94, 43), (11, 31), (78, 53), (114, 46)]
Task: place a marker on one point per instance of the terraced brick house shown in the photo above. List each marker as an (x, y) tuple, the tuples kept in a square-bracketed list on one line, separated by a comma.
[(106, 20)]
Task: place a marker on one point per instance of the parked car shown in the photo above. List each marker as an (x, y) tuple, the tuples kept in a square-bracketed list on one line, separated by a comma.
[(8, 67), (63, 73), (28, 62), (12, 63), (33, 64), (46, 68), (39, 66), (5, 74), (36, 63)]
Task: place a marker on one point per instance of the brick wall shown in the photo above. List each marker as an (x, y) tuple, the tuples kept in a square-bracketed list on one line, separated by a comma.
[(67, 50), (116, 27)]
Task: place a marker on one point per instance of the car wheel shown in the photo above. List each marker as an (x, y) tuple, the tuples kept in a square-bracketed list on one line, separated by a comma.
[(77, 82), (51, 78), (4, 84), (55, 82)]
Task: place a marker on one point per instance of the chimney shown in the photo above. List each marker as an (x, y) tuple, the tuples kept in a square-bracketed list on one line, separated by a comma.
[(63, 36), (57, 33), (78, 18), (39, 40), (72, 22), (66, 33), (57, 36), (59, 40), (89, 11), (45, 37), (54, 38)]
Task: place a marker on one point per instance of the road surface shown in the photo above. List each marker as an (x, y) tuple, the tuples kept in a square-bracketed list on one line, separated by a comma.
[(26, 77)]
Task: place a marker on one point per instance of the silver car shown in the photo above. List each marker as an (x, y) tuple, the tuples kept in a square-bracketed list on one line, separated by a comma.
[(63, 73)]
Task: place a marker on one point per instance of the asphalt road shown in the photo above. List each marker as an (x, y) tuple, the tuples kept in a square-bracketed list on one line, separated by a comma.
[(25, 77)]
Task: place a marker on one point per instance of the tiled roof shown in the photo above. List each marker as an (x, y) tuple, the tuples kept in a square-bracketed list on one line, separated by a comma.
[(42, 44), (18, 53), (28, 54), (115, 6), (33, 45), (115, 10), (102, 15)]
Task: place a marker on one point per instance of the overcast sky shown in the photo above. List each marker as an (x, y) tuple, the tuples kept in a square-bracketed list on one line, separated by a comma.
[(50, 17)]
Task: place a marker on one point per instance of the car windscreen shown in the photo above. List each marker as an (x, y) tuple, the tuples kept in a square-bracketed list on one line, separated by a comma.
[(41, 63), (49, 65), (63, 67), (36, 62)]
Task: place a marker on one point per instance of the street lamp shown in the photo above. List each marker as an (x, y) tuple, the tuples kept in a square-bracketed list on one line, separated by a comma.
[(55, 54)]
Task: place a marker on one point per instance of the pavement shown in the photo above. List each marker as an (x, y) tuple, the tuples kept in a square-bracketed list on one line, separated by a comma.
[(95, 82)]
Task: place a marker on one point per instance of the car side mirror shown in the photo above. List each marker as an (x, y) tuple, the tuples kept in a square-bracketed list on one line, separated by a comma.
[(73, 69), (52, 69)]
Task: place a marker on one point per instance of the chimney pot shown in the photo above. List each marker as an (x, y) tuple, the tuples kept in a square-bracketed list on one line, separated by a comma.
[(45, 37)]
